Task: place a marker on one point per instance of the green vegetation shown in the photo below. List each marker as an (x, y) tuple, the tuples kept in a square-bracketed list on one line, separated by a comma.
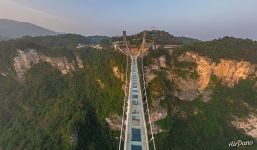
[(61, 45), (155, 54), (228, 47), (156, 89), (52, 111), (200, 125), (160, 37), (185, 64), (205, 124), (186, 70), (97, 39)]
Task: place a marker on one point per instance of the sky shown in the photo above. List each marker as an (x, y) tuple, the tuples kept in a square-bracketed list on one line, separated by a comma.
[(201, 19)]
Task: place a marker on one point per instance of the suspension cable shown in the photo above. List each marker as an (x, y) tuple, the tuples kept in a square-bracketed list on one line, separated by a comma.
[(125, 98), (146, 100)]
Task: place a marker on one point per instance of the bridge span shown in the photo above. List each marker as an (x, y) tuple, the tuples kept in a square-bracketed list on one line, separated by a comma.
[(136, 122), (136, 132)]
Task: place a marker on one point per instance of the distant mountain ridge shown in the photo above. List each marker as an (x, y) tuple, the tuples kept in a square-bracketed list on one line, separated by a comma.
[(10, 29), (160, 37)]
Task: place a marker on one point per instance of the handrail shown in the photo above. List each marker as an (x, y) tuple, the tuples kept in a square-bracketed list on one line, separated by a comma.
[(125, 99), (146, 101)]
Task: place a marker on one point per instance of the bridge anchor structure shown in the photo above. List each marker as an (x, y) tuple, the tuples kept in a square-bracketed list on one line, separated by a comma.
[(136, 129)]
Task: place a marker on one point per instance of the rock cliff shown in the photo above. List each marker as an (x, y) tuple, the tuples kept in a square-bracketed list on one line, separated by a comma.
[(248, 124), (192, 78), (114, 122), (117, 73), (229, 71), (187, 88), (29, 57)]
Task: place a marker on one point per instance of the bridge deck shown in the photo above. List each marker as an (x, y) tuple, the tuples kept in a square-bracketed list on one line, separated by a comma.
[(136, 132)]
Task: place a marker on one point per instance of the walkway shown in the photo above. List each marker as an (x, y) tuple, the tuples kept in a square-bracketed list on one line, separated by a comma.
[(136, 131)]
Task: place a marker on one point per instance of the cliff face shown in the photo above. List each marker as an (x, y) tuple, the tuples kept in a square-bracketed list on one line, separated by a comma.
[(188, 89), (26, 59), (228, 71), (191, 78), (117, 73), (248, 125), (158, 112), (114, 122), (204, 69)]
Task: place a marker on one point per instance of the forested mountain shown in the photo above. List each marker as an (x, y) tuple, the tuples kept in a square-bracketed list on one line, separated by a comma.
[(97, 39), (13, 29), (207, 93), (227, 47), (51, 110), (56, 96), (159, 37)]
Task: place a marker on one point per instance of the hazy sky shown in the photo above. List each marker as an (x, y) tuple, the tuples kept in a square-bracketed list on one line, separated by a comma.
[(202, 19)]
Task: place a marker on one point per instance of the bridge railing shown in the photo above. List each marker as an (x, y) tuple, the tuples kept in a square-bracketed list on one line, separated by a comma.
[(146, 105)]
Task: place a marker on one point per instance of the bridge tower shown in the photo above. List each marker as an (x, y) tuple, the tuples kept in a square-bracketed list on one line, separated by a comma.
[(144, 47), (125, 42), (144, 35), (124, 36)]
